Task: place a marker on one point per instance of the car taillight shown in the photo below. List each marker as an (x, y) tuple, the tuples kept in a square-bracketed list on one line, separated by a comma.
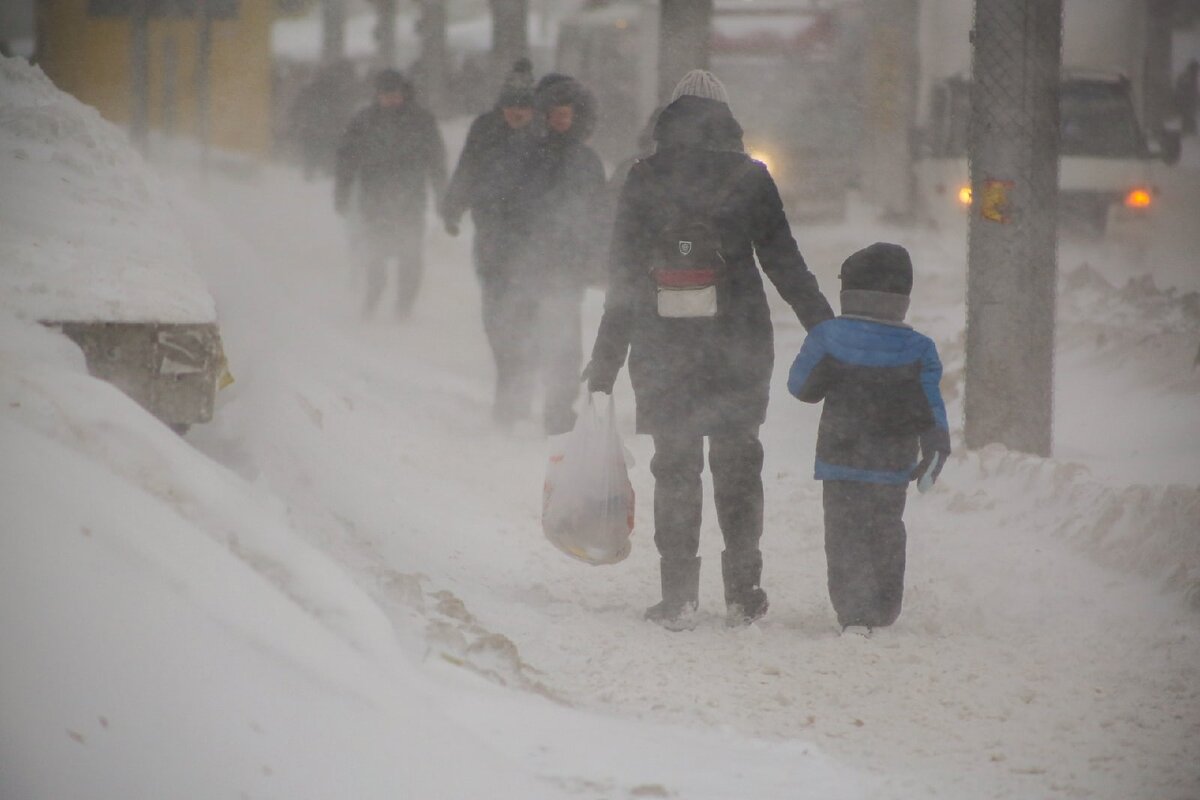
[(964, 195), (1138, 198)]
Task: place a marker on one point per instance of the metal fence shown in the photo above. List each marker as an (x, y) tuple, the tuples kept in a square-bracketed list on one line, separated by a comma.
[(1012, 260)]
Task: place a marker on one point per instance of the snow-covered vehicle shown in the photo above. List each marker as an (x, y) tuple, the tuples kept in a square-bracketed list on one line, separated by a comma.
[(173, 370), (90, 246), (1106, 162)]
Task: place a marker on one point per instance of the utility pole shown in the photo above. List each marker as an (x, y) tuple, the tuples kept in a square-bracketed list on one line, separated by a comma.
[(510, 37), (1011, 255), (684, 34)]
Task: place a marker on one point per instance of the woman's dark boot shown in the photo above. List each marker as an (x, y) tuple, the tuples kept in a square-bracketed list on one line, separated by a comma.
[(680, 592), (745, 601)]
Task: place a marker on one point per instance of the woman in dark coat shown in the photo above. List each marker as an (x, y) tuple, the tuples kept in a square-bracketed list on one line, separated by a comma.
[(697, 377)]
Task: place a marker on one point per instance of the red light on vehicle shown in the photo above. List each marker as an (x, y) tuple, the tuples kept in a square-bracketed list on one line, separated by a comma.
[(1138, 198)]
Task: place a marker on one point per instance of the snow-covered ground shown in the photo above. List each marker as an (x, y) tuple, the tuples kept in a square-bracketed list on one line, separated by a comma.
[(87, 234), (339, 588)]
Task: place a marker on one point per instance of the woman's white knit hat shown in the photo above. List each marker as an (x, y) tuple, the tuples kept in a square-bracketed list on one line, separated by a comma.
[(701, 83)]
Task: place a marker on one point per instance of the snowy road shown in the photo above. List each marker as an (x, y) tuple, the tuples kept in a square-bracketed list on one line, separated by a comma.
[(1035, 657)]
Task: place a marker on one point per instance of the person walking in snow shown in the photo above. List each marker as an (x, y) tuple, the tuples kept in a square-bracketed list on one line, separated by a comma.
[(388, 156), (561, 195), (686, 302), (879, 380), (487, 182)]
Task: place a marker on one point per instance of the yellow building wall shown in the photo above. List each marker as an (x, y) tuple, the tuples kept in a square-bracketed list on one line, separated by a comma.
[(89, 58)]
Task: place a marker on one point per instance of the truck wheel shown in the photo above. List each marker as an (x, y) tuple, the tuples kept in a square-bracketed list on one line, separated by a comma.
[(180, 428)]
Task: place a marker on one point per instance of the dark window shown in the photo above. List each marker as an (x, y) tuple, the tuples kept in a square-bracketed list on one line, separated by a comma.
[(1097, 119)]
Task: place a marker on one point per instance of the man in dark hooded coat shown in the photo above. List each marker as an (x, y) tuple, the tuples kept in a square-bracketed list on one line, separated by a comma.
[(562, 196), (704, 376), (386, 160), (487, 182)]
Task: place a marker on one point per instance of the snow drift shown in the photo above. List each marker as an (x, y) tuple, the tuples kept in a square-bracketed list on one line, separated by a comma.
[(89, 233)]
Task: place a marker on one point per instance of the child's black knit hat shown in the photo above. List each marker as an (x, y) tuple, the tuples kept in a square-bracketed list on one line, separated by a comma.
[(882, 267)]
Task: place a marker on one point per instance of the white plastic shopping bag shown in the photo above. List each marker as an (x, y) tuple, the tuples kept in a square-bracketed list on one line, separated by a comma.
[(587, 501)]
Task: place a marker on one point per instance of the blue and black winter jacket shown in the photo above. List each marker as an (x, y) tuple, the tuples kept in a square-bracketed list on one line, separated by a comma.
[(879, 382)]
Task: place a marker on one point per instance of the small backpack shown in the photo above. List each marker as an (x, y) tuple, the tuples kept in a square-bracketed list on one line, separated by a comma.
[(687, 262)]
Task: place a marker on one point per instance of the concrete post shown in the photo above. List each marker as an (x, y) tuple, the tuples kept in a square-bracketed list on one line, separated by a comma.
[(1012, 259)]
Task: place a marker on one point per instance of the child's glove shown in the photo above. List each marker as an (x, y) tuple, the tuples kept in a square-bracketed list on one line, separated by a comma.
[(935, 449)]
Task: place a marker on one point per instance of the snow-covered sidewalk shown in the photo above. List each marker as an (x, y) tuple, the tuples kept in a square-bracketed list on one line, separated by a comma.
[(1031, 660), (339, 588)]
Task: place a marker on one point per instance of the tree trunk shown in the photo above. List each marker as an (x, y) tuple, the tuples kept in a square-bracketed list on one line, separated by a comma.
[(433, 64), (683, 41), (139, 82), (510, 39), (385, 33), (891, 70), (333, 30)]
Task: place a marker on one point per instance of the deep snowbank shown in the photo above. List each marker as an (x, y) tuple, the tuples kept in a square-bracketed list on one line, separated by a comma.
[(88, 231), (1144, 530), (167, 633), (1123, 486)]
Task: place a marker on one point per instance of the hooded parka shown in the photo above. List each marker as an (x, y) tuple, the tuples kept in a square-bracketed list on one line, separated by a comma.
[(564, 192), (712, 375), (390, 155), (488, 177), (385, 159), (487, 181)]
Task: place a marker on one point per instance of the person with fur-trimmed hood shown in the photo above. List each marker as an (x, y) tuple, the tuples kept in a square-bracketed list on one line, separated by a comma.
[(879, 381), (487, 182), (699, 338), (562, 191), (389, 155)]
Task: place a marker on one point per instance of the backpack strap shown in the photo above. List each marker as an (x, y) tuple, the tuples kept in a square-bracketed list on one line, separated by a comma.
[(727, 187)]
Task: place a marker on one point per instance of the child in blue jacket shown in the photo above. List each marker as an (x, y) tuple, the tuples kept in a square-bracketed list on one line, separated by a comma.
[(879, 380)]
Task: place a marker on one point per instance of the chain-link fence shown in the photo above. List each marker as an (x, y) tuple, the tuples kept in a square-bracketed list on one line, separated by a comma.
[(1013, 151)]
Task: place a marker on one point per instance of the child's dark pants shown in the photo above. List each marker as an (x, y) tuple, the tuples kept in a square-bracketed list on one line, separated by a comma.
[(864, 547)]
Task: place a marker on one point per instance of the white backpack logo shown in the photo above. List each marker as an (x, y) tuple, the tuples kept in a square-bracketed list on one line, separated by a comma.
[(685, 248)]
